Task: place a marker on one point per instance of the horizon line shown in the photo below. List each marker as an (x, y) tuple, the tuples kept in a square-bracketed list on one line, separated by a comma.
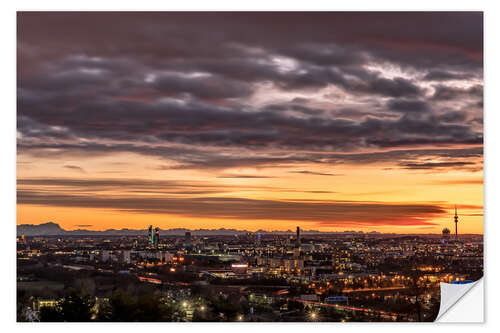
[(245, 230)]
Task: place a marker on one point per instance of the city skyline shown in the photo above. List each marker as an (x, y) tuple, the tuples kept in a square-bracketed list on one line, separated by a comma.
[(251, 121)]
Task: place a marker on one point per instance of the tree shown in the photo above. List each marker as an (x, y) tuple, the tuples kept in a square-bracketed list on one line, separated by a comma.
[(76, 308), (85, 286), (50, 314), (120, 308), (417, 287), (123, 307), (72, 308)]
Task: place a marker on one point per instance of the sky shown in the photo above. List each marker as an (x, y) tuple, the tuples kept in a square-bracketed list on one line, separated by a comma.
[(329, 121)]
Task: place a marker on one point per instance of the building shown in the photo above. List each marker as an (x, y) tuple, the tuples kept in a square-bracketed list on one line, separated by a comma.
[(187, 238), (105, 256), (239, 268), (297, 241), (151, 235), (40, 303), (446, 233), (156, 237), (125, 257), (167, 257)]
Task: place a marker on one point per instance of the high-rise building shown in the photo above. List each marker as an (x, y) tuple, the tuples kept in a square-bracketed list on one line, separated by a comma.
[(151, 235), (187, 238), (456, 222), (297, 241), (156, 237)]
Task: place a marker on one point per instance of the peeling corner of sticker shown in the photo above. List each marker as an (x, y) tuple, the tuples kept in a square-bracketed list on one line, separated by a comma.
[(453, 300)]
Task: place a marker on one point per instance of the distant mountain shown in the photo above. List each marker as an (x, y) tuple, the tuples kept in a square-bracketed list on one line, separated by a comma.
[(44, 229), (53, 229)]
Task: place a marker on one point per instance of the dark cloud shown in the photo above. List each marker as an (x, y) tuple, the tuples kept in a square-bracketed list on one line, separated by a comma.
[(199, 159), (172, 85), (204, 86), (459, 182), (243, 176), (326, 213), (306, 36), (452, 117), (315, 173), (207, 124), (397, 87), (438, 75), (434, 165), (402, 105), (144, 186), (294, 106), (74, 167), (450, 93)]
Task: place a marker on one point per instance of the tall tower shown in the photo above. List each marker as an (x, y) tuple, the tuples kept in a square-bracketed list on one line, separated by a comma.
[(298, 236), (151, 235), (456, 222), (156, 237)]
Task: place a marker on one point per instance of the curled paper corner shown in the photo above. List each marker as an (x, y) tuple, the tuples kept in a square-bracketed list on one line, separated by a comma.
[(461, 303)]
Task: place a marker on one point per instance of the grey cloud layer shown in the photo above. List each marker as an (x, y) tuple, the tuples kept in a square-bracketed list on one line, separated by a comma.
[(154, 80)]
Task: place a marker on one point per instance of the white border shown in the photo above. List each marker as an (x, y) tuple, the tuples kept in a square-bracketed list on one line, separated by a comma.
[(7, 133)]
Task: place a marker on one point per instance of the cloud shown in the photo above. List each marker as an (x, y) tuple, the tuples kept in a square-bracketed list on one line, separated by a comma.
[(74, 167), (407, 105), (159, 81), (243, 176), (315, 173), (447, 93), (437, 75), (143, 186), (201, 124), (458, 182), (434, 165), (164, 36), (203, 86), (266, 96), (324, 213), (191, 158)]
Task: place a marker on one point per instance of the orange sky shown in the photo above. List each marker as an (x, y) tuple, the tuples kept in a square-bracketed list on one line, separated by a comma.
[(371, 183)]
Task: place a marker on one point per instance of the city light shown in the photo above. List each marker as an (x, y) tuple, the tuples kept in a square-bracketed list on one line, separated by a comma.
[(328, 278)]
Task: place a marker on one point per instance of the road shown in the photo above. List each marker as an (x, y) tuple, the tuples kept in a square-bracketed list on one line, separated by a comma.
[(349, 308)]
